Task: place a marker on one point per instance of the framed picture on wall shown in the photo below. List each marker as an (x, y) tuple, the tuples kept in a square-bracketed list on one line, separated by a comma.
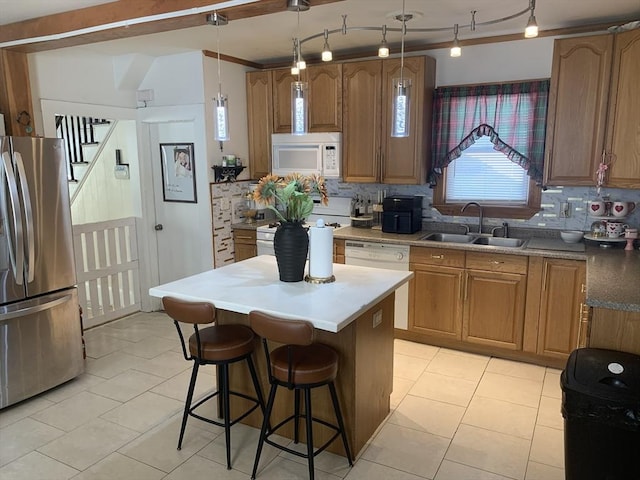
[(178, 172)]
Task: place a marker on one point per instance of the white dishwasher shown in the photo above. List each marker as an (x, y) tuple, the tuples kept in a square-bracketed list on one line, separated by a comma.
[(383, 255)]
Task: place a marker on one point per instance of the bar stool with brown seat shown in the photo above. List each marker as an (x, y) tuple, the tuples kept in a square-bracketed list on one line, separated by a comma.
[(219, 345), (299, 365)]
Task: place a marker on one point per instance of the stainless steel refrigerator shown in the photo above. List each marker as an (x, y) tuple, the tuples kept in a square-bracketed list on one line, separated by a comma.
[(40, 332)]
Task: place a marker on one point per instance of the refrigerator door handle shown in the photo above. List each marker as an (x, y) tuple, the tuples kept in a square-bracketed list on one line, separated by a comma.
[(16, 245), (6, 314), (28, 211)]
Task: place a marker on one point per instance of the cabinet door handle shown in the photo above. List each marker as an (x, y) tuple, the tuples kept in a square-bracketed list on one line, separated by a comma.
[(461, 286), (544, 276), (242, 237), (495, 262), (466, 287), (441, 257)]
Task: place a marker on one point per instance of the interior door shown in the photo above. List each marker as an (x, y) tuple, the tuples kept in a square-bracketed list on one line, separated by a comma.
[(177, 227)]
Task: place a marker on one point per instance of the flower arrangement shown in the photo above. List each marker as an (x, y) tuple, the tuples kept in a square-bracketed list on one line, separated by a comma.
[(291, 198)]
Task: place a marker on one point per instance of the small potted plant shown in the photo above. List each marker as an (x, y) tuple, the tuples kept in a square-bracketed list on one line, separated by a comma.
[(291, 198)]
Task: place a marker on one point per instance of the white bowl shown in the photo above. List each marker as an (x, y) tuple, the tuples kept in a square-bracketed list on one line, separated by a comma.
[(571, 236)]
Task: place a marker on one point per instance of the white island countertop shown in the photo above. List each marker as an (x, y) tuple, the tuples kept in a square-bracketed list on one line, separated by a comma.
[(253, 284)]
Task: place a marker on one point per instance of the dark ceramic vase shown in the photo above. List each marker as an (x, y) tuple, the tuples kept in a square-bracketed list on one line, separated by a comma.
[(291, 243)]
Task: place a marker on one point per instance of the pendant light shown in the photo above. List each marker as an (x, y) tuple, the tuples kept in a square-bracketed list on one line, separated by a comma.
[(299, 92), (400, 112), (221, 108)]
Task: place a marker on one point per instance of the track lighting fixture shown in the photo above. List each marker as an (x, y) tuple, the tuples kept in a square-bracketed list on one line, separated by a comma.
[(383, 50), (456, 51), (532, 26), (327, 56)]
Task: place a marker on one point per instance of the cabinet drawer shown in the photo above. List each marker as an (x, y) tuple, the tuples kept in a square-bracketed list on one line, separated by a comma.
[(497, 263), (437, 256), (244, 236)]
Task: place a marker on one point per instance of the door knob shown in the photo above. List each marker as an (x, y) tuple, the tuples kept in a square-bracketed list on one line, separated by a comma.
[(158, 227)]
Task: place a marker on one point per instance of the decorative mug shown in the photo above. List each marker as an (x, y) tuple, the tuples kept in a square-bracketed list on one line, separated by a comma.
[(622, 209), (597, 208), (615, 229)]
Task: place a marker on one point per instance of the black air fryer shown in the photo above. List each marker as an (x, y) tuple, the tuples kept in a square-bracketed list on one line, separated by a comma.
[(402, 214)]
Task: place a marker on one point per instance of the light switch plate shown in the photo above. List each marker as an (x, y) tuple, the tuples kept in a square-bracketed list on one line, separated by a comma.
[(377, 318)]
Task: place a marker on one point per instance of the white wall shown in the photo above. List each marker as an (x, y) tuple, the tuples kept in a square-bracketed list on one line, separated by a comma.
[(103, 196), (495, 62)]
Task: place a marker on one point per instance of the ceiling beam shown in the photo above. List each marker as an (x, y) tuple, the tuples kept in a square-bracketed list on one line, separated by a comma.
[(122, 10)]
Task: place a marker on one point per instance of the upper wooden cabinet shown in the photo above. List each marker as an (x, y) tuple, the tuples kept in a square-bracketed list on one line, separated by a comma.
[(259, 119), (594, 108), (369, 153), (282, 80), (325, 98), (577, 109), (623, 132)]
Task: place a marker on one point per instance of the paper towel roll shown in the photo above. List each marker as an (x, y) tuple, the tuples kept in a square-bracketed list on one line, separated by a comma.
[(320, 251)]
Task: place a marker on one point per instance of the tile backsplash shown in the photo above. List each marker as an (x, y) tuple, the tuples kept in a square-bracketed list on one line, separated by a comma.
[(547, 218)]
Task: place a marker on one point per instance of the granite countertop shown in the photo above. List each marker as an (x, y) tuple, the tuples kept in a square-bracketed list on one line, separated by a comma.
[(415, 239), (253, 284), (250, 226), (613, 275), (613, 279)]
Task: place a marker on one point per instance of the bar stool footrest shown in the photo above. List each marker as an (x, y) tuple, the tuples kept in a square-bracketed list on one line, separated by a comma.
[(293, 452), (221, 423)]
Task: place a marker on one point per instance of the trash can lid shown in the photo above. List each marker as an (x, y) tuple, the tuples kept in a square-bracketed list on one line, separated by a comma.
[(605, 374)]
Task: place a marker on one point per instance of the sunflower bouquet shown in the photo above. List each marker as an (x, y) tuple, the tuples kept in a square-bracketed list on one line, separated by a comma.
[(291, 197)]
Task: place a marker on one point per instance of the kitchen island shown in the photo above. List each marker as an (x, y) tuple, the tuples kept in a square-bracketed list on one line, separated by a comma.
[(354, 315)]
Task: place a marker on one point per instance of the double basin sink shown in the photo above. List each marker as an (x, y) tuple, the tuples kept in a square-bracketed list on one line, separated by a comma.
[(475, 239)]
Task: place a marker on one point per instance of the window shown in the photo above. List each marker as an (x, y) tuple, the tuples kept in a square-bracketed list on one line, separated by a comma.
[(488, 147), (484, 175)]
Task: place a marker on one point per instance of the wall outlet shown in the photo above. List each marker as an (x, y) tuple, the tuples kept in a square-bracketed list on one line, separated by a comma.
[(565, 210), (225, 203), (377, 318)]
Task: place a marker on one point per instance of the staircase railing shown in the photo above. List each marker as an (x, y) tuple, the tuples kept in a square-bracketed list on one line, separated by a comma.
[(76, 132)]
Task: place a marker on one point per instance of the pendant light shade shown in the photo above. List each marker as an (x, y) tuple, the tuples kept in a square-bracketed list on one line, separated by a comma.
[(531, 31), (400, 109), (221, 118), (299, 107), (401, 93)]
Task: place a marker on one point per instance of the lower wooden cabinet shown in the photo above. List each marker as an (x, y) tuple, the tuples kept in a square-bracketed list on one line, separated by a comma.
[(515, 306), (338, 251), (556, 314), (244, 242), (435, 302), (494, 300), (615, 330)]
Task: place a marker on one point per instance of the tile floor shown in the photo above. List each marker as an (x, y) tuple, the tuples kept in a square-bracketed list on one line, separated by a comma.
[(455, 416)]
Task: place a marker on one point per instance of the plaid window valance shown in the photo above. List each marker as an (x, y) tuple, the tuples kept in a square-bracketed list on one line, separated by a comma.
[(513, 115)]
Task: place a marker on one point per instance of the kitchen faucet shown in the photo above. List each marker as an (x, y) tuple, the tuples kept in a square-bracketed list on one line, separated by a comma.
[(479, 216)]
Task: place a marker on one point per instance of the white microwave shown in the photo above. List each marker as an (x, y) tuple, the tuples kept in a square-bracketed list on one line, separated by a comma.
[(318, 153)]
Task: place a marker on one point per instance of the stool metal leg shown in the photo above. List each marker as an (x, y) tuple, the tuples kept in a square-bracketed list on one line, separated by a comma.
[(309, 419), (336, 407), (187, 405), (256, 383), (226, 414), (296, 419), (263, 430)]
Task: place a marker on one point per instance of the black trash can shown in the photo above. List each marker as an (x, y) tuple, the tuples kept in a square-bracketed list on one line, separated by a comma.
[(601, 410)]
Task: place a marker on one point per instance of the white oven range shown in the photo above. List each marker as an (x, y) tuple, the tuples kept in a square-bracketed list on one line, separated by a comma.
[(336, 214)]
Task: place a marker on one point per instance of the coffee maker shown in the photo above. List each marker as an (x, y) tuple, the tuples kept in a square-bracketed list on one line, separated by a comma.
[(402, 214)]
